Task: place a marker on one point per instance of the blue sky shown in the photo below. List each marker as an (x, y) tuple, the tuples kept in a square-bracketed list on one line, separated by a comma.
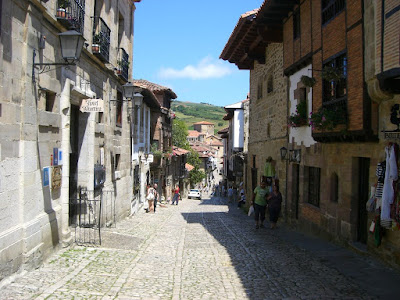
[(177, 43)]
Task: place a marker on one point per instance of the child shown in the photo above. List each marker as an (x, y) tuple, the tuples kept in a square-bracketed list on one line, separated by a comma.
[(242, 199)]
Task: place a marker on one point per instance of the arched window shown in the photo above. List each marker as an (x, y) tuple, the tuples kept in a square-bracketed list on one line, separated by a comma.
[(335, 188)]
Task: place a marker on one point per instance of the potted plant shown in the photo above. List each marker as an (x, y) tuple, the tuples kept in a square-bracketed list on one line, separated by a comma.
[(307, 81), (330, 73), (62, 7), (327, 119), (299, 118), (96, 43), (121, 65)]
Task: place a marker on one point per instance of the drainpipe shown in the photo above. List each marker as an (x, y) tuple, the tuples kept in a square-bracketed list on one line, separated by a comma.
[(287, 147), (65, 105), (382, 31)]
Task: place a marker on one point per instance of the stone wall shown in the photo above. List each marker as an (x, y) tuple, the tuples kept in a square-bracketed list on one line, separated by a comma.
[(34, 219), (267, 117)]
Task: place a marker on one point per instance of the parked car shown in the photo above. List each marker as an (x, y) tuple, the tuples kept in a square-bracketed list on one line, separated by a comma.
[(194, 193)]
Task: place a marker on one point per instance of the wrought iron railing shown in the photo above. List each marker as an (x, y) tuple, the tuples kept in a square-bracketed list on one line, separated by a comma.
[(101, 39), (71, 13), (91, 211), (123, 64)]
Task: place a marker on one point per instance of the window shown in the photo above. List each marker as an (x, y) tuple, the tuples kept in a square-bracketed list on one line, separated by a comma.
[(116, 161), (118, 120), (334, 188), (296, 24), (270, 84), (50, 100), (335, 79), (331, 8), (313, 174), (100, 117), (259, 89)]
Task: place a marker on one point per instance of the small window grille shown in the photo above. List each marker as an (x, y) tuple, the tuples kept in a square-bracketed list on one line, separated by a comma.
[(331, 8), (313, 174)]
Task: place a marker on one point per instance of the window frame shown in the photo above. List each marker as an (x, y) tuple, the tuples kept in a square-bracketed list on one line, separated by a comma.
[(330, 87), (313, 177), (336, 6), (119, 109)]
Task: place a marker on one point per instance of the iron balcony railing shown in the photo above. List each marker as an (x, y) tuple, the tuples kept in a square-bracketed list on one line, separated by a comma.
[(123, 64), (71, 13), (101, 39)]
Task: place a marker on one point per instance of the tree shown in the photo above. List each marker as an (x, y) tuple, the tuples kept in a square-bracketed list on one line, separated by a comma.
[(179, 134), (195, 175), (179, 139)]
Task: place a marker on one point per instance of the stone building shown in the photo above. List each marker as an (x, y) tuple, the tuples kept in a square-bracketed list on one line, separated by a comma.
[(204, 127), (267, 125), (381, 21), (235, 154), (53, 148), (340, 62), (160, 134)]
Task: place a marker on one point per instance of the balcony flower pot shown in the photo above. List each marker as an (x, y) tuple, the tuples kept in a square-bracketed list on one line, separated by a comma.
[(299, 118), (308, 81), (61, 13), (327, 119), (95, 48)]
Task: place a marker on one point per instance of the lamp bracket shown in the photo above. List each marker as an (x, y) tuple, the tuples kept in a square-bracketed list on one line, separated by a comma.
[(46, 66)]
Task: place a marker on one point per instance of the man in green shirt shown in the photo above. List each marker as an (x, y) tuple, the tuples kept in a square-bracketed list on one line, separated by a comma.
[(260, 202)]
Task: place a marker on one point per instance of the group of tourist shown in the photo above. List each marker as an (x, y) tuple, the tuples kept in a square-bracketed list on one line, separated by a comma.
[(264, 198), (152, 197)]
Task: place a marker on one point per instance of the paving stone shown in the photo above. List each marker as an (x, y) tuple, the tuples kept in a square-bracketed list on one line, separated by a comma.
[(203, 250)]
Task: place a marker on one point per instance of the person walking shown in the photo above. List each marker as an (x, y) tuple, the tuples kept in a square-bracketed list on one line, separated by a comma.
[(274, 205), (230, 194), (150, 198), (259, 203), (176, 196), (155, 196)]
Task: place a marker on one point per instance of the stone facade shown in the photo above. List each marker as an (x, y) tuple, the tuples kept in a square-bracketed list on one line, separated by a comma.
[(383, 96), (41, 111), (326, 185), (204, 127), (328, 190), (267, 127)]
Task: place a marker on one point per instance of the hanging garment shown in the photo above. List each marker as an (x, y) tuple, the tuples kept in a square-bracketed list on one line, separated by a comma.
[(388, 192), (269, 170), (380, 173)]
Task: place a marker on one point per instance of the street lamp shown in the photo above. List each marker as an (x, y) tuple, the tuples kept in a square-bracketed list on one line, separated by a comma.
[(128, 91), (71, 43)]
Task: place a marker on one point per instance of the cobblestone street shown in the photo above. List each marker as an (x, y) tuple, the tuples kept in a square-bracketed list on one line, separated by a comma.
[(204, 250)]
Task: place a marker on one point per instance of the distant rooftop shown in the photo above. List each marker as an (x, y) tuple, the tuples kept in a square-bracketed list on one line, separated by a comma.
[(155, 88)]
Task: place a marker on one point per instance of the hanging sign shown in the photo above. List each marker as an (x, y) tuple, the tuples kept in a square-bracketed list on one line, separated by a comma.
[(46, 176), (395, 120), (56, 178), (92, 105)]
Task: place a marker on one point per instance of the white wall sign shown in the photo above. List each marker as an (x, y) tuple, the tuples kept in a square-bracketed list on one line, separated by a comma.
[(92, 105)]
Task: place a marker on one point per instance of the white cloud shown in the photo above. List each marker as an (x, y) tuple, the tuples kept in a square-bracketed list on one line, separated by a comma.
[(205, 69)]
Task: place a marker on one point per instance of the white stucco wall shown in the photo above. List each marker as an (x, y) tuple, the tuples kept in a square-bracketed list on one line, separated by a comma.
[(238, 129), (300, 135)]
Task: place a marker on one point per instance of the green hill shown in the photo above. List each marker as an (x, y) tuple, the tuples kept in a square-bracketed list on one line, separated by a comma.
[(191, 113)]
